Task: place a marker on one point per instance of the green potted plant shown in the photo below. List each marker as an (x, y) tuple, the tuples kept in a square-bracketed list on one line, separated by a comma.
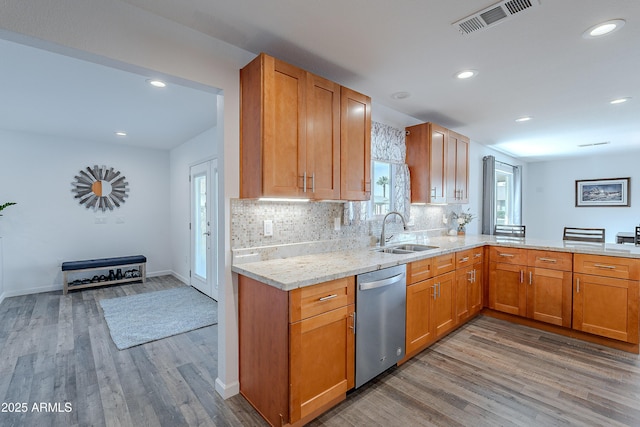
[(6, 205)]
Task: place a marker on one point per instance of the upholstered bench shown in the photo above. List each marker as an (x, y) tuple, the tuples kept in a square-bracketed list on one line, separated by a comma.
[(120, 263)]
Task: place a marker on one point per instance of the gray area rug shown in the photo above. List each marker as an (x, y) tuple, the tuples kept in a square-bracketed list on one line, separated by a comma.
[(138, 319)]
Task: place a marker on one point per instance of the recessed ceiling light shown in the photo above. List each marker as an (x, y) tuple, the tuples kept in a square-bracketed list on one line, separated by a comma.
[(603, 29), (121, 133), (466, 74), (524, 119), (400, 95), (156, 83), (619, 100)]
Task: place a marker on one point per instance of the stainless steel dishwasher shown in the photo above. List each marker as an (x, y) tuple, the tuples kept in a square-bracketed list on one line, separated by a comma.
[(380, 321)]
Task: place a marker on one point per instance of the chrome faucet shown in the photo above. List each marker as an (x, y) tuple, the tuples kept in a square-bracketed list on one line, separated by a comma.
[(404, 224)]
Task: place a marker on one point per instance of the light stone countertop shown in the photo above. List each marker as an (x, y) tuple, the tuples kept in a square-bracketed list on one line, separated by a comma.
[(305, 270)]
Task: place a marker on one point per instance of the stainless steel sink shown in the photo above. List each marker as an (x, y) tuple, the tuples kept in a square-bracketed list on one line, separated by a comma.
[(415, 248), (405, 249)]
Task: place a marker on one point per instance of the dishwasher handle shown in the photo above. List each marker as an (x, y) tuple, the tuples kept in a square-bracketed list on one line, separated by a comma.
[(365, 286)]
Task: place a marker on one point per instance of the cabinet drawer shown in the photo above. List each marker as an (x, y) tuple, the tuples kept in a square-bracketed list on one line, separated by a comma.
[(551, 260), (444, 263), (606, 266), (508, 255), (469, 257), (418, 271), (317, 299)]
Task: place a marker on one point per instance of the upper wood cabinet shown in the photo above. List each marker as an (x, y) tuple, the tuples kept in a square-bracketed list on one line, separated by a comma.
[(438, 161), (355, 146), (298, 131), (457, 185), (426, 157)]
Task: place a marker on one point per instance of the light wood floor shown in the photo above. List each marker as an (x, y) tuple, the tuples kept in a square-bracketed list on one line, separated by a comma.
[(57, 349)]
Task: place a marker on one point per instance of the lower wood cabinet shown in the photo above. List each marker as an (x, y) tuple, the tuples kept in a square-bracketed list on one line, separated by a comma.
[(431, 301), (533, 284), (469, 283), (297, 348), (321, 364), (605, 302), (420, 329)]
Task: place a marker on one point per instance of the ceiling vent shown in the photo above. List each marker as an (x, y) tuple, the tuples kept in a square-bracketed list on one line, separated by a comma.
[(493, 15)]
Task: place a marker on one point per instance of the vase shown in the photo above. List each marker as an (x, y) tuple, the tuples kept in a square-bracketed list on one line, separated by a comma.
[(461, 230)]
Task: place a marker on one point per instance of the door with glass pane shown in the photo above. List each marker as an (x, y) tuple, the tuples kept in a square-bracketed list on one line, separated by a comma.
[(203, 228)]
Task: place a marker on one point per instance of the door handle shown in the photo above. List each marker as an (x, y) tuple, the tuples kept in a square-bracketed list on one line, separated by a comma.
[(353, 326), (206, 233), (328, 297)]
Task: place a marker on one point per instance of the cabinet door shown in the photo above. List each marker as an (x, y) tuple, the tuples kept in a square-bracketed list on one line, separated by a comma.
[(476, 291), (549, 296), (284, 130), (321, 360), (462, 169), (323, 138), (420, 327), (437, 164), (464, 282), (606, 307), (506, 292), (355, 145), (445, 303)]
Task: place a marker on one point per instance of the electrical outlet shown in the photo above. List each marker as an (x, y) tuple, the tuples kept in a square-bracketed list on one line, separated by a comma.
[(336, 224), (268, 227), (101, 220)]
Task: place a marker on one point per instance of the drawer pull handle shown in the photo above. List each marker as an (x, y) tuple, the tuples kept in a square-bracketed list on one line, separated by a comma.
[(548, 259), (477, 255), (608, 267), (507, 255), (328, 297), (465, 259)]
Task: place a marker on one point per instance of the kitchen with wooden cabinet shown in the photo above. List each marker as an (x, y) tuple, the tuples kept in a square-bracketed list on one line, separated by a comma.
[(303, 136)]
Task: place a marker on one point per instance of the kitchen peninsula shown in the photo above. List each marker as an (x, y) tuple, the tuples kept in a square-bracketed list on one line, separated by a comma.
[(583, 291)]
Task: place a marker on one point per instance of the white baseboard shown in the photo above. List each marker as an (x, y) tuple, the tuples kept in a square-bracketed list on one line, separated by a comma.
[(183, 279), (58, 286), (227, 390)]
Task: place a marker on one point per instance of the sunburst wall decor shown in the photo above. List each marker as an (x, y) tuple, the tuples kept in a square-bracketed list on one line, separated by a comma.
[(100, 188)]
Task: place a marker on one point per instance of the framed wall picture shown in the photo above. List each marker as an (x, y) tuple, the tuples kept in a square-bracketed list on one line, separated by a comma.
[(603, 192)]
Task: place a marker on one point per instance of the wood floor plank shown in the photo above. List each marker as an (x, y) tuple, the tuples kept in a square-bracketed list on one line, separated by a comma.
[(57, 348)]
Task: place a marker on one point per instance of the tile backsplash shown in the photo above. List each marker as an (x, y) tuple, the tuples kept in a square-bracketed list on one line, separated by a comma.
[(309, 228)]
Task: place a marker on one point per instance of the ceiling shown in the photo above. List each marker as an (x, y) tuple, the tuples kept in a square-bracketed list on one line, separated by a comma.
[(535, 64), (74, 99)]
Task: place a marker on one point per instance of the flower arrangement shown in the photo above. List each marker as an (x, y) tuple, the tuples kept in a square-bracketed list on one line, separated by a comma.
[(6, 205), (463, 218)]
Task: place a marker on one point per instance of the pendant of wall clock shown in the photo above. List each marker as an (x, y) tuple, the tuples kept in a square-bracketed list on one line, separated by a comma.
[(100, 188)]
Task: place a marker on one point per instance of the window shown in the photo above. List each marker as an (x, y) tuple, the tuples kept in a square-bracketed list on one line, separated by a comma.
[(504, 195), (382, 200)]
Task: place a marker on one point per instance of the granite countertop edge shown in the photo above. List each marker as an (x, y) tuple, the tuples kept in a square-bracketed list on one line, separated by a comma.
[(306, 270)]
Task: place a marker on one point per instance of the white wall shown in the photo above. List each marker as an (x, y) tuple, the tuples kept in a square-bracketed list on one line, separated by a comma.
[(48, 225), (549, 195), (201, 148)]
